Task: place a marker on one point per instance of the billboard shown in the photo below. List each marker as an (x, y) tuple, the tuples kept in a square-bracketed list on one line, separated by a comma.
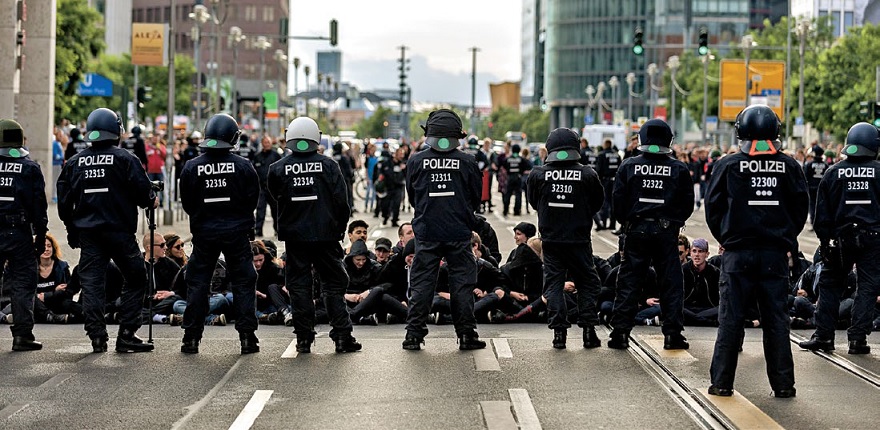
[(768, 87), (148, 47)]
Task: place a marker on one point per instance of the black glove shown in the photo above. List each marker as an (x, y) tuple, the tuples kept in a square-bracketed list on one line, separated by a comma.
[(40, 243), (73, 238)]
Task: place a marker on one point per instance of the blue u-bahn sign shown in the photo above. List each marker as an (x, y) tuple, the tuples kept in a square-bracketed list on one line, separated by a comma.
[(94, 84)]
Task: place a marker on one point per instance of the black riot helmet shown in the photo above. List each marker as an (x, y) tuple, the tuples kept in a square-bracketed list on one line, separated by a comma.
[(562, 145), (221, 132), (103, 125), (757, 128), (862, 140), (443, 130), (655, 137)]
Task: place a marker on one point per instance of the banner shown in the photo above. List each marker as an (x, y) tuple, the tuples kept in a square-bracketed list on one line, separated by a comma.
[(148, 47)]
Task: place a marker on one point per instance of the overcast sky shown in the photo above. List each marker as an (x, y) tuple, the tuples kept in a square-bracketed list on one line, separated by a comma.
[(438, 34)]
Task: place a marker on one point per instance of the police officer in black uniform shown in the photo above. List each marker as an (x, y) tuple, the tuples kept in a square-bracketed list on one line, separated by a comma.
[(135, 145), (219, 191), (262, 160), (76, 144), (99, 191), (313, 210), (607, 164), (653, 197), (756, 204), (22, 214), (566, 195), (516, 167), (814, 170), (444, 186), (848, 216)]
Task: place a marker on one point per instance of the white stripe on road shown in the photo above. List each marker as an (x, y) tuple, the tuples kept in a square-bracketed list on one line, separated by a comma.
[(251, 410), (7, 199), (303, 198), (96, 190), (560, 205), (56, 380), (763, 202), (647, 200), (858, 202), (502, 348), (485, 361), (498, 416), (12, 409), (443, 194), (218, 199), (524, 410), (290, 352), (197, 406)]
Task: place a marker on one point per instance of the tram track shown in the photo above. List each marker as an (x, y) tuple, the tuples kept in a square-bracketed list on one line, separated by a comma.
[(854, 369)]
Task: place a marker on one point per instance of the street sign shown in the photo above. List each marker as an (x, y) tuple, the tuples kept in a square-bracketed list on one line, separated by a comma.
[(768, 87), (799, 120), (588, 119), (93, 84), (300, 106), (711, 123)]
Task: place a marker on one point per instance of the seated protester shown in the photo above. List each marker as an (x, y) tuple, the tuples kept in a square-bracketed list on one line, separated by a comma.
[(404, 235), (491, 284), (217, 301), (525, 271), (273, 249), (715, 260), (395, 274), (54, 301), (365, 297), (161, 293), (382, 250), (521, 235), (488, 237), (684, 249), (614, 259), (701, 288), (174, 249), (649, 302), (804, 295), (113, 282), (357, 230), (797, 265), (273, 302)]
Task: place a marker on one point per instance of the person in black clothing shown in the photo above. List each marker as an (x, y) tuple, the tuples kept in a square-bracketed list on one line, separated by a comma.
[(847, 224), (165, 269), (135, 145), (756, 204), (653, 197), (313, 211), (346, 166), (219, 190), (365, 295), (607, 164), (814, 170), (445, 187), (54, 302), (700, 287), (566, 195), (244, 149), (22, 214), (262, 160), (99, 191), (516, 168), (273, 302), (76, 144), (394, 178), (488, 237), (648, 299)]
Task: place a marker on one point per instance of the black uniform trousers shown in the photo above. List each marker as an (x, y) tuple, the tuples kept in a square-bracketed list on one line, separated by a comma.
[(97, 248), (573, 261), (17, 249), (514, 189), (605, 211), (832, 282), (461, 265), (326, 258), (746, 276), (236, 248), (262, 202), (657, 248), (391, 204), (812, 206)]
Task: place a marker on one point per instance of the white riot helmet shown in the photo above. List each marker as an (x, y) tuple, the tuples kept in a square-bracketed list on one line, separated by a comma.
[(303, 135)]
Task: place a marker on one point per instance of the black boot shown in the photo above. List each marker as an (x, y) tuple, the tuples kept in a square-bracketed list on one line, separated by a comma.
[(591, 340), (304, 344), (723, 392), (675, 341), (24, 343), (857, 347), (99, 344), (619, 341), (190, 346), (413, 342), (347, 343), (127, 341), (817, 344), (559, 335), (249, 343), (468, 341)]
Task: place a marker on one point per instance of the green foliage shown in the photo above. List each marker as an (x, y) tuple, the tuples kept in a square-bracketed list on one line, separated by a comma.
[(79, 38), (374, 125), (534, 123)]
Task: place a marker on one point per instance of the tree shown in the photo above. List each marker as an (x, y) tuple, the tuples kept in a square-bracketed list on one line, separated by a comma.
[(374, 126), (79, 38)]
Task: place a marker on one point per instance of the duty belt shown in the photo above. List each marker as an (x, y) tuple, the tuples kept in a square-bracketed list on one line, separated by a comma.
[(13, 221)]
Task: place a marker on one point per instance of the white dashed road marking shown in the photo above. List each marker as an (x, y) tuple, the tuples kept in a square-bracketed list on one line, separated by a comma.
[(251, 410)]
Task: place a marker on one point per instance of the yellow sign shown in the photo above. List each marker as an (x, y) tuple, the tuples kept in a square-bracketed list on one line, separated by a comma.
[(148, 47), (768, 87)]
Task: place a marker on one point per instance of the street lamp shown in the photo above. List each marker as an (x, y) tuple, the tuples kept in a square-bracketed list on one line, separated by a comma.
[(296, 86), (200, 15), (672, 63), (307, 70), (236, 37), (614, 83), (262, 44), (748, 42), (803, 28), (630, 81), (280, 59), (590, 90), (652, 71), (599, 89), (218, 18), (706, 59)]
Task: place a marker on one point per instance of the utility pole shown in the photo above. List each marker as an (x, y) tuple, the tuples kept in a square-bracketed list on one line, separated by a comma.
[(168, 214), (630, 81), (803, 27), (705, 59), (473, 127), (403, 67)]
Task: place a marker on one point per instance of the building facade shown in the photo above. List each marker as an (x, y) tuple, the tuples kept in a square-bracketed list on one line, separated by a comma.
[(329, 63)]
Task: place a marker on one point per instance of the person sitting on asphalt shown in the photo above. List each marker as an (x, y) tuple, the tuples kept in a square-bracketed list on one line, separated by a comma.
[(365, 296), (174, 249), (273, 302), (700, 287), (218, 303), (165, 269), (404, 235), (382, 250), (357, 230)]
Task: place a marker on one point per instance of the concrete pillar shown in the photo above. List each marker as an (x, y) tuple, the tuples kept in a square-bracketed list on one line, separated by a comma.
[(36, 98), (8, 87)]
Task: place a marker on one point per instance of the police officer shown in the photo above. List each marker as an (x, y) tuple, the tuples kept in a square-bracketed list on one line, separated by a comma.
[(607, 164), (76, 144), (99, 191), (756, 204), (848, 215), (219, 191), (444, 187), (516, 167), (814, 170), (313, 212), (22, 213), (135, 145), (566, 195), (653, 197), (262, 160)]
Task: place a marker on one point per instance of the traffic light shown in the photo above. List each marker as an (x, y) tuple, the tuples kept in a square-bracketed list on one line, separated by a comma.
[(333, 32), (144, 94), (282, 30), (875, 118), (637, 42), (704, 41)]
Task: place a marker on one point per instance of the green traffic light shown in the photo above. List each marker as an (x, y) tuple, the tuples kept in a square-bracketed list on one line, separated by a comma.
[(704, 50), (877, 122), (638, 50)]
